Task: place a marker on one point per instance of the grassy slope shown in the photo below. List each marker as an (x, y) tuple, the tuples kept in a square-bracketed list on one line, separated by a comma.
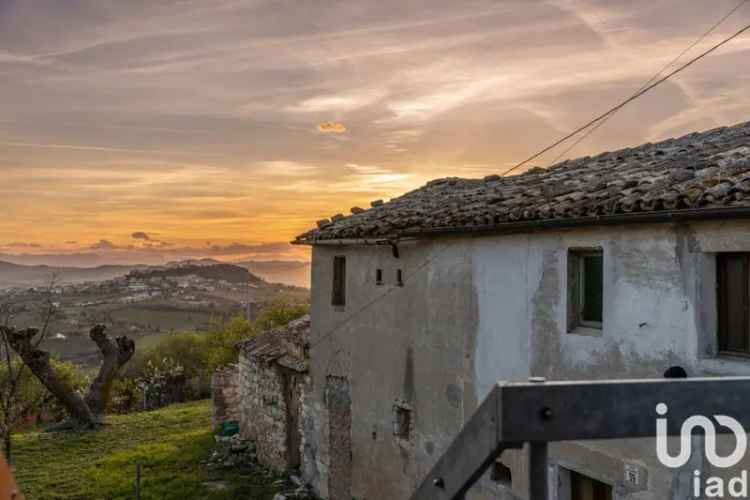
[(169, 443)]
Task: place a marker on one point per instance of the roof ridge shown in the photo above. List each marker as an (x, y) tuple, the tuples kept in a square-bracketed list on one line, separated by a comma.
[(671, 174)]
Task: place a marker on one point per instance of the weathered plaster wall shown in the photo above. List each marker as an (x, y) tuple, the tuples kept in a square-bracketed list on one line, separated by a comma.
[(659, 311), (414, 345), (478, 310)]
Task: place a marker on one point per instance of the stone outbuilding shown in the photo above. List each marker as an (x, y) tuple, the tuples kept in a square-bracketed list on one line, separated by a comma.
[(272, 379)]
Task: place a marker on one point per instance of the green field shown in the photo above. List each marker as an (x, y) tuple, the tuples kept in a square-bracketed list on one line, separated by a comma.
[(163, 319), (169, 443)]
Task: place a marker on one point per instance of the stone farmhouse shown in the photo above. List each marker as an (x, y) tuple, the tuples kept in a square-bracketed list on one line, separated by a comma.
[(619, 265)]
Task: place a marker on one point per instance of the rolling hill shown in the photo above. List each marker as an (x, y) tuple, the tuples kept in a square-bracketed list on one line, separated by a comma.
[(15, 275)]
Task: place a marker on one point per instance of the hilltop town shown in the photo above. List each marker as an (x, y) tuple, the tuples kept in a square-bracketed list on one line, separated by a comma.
[(147, 303)]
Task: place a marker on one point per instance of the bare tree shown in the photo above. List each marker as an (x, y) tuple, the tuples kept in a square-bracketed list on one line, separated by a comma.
[(15, 404), (84, 412)]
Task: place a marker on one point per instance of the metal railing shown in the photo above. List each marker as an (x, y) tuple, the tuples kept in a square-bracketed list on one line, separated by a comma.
[(537, 413)]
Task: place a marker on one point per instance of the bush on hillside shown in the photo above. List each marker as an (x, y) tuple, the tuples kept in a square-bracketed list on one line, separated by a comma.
[(196, 354), (32, 402)]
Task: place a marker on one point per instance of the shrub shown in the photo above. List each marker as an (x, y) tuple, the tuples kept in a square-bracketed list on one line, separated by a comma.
[(32, 399), (195, 355)]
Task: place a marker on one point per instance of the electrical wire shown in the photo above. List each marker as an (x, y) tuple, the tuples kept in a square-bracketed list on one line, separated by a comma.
[(654, 77), (598, 119), (629, 99)]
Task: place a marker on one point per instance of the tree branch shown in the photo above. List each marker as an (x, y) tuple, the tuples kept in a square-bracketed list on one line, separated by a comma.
[(115, 353), (38, 362)]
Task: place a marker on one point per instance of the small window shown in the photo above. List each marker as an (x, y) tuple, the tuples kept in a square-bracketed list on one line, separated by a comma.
[(402, 422), (501, 474), (585, 288), (732, 302), (400, 277), (379, 277), (338, 297)]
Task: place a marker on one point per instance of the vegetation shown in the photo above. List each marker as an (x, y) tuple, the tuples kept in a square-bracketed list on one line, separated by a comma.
[(169, 444), (197, 355)]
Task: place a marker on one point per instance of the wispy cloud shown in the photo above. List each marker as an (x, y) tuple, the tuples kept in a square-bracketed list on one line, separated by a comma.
[(238, 121), (106, 149)]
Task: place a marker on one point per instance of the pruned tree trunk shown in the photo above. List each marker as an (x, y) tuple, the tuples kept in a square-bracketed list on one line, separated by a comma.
[(38, 362), (83, 412), (116, 353)]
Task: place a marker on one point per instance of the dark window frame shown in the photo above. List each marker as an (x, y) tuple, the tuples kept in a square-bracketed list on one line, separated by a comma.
[(338, 292), (378, 276), (733, 303), (579, 296), (403, 421)]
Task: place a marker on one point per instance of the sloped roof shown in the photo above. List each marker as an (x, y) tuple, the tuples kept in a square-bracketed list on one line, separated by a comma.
[(285, 345), (708, 170)]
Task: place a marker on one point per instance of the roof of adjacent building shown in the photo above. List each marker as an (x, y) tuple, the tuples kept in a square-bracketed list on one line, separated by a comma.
[(707, 170), (286, 345)]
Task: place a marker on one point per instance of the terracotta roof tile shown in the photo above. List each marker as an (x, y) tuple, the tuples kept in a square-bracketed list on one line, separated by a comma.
[(700, 170), (285, 345)]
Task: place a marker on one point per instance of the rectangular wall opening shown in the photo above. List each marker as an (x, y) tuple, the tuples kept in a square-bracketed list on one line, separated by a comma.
[(585, 288), (586, 488), (338, 295), (733, 302)]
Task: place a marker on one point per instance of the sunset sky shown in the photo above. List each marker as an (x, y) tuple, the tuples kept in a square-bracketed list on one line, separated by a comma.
[(151, 130)]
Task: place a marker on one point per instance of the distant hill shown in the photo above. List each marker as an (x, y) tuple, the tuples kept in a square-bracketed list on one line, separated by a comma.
[(15, 275), (204, 269), (292, 273), (288, 272)]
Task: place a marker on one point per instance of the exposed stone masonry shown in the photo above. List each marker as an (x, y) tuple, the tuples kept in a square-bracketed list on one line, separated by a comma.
[(225, 395), (272, 379), (700, 170)]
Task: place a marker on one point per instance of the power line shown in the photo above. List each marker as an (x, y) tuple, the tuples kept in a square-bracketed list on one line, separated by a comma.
[(613, 110), (654, 77), (629, 99)]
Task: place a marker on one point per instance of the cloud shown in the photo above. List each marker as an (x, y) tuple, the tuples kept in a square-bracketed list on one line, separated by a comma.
[(104, 245), (140, 235), (147, 128), (338, 102), (20, 244), (332, 128), (240, 248)]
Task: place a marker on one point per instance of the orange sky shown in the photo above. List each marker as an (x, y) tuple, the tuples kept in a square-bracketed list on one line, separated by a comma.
[(203, 124)]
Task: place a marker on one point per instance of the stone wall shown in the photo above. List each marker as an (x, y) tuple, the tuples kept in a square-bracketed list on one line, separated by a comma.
[(263, 411), (315, 452), (225, 395)]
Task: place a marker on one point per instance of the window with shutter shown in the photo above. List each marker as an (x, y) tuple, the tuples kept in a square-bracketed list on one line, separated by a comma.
[(585, 288), (732, 300)]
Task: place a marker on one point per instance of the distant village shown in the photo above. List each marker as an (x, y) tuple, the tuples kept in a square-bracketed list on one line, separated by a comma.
[(148, 301)]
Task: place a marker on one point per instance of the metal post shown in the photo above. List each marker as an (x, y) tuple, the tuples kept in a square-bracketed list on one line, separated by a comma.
[(538, 413), (537, 469), (138, 481)]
